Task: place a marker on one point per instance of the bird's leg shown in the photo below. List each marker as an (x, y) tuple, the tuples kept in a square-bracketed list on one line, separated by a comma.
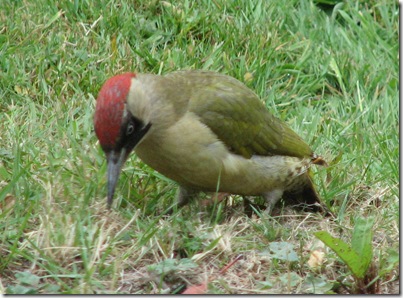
[(185, 195), (272, 197)]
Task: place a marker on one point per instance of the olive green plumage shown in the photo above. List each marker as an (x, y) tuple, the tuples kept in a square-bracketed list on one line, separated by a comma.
[(208, 132), (237, 116)]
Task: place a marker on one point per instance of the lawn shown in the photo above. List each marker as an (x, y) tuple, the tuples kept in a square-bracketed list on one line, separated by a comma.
[(330, 69)]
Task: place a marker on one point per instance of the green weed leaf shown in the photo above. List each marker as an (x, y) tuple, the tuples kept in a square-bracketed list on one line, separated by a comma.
[(290, 279), (27, 278), (264, 285), (345, 252), (21, 290), (283, 251), (361, 241), (172, 265), (316, 285)]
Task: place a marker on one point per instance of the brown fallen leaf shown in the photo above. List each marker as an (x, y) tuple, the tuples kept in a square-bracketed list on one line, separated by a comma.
[(8, 203), (196, 289), (218, 198), (316, 259)]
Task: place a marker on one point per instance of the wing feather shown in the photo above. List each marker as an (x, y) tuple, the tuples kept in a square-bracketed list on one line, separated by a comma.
[(238, 118)]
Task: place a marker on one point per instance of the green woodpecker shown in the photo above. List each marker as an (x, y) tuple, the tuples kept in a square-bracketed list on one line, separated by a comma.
[(206, 131)]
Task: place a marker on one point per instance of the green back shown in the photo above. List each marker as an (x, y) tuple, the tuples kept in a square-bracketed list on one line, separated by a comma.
[(236, 115)]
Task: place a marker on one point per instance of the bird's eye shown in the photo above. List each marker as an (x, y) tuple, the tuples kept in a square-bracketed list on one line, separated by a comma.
[(130, 129)]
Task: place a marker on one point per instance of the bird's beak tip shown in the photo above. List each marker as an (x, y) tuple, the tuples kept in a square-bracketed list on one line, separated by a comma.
[(115, 162), (109, 203)]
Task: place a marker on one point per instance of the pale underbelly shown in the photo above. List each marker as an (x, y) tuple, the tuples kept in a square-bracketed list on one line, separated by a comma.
[(191, 154), (232, 174)]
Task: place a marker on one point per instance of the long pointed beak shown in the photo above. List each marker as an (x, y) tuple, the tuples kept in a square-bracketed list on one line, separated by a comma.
[(115, 163)]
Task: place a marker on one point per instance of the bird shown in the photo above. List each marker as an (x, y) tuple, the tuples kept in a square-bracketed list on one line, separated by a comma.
[(206, 131)]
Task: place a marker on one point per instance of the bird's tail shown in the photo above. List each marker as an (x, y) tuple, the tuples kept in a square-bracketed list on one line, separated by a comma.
[(304, 196)]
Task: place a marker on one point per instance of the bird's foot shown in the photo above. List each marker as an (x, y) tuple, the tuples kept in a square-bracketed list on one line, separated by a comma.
[(185, 195), (272, 197)]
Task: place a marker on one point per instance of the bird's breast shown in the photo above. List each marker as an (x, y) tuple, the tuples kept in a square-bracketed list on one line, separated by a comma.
[(187, 152)]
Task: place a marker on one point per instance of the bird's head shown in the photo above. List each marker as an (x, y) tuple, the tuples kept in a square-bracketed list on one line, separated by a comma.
[(117, 129)]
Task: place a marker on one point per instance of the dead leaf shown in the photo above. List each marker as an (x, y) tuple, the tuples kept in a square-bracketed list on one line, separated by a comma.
[(8, 202), (218, 198), (196, 289), (316, 259), (248, 77)]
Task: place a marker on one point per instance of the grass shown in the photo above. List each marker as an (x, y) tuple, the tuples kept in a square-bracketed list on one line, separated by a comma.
[(330, 72)]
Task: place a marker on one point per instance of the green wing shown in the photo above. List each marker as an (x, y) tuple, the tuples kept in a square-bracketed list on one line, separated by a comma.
[(236, 115)]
